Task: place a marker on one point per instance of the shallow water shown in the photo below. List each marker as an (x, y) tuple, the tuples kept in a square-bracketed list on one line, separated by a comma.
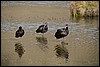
[(35, 3), (79, 48)]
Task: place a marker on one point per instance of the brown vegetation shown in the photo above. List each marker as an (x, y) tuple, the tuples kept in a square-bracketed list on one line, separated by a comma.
[(85, 8)]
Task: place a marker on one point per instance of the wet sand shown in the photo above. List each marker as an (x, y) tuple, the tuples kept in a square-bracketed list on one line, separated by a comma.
[(81, 46)]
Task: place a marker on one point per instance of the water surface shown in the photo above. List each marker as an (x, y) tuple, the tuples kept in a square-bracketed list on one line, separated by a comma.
[(79, 48)]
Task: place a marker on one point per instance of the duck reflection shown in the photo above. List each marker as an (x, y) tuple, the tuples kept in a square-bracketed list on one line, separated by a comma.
[(42, 42), (61, 50), (19, 49)]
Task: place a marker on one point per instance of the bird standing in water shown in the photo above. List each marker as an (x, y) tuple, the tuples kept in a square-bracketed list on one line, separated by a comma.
[(42, 28), (19, 32), (61, 33)]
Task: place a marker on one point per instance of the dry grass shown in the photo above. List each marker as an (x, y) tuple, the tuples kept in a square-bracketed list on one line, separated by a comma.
[(85, 8)]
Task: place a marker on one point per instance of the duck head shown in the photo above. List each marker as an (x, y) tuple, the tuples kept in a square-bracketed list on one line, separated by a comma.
[(20, 27), (45, 23), (66, 26)]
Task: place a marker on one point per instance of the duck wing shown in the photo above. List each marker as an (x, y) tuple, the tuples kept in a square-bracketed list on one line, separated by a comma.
[(40, 28), (17, 34)]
